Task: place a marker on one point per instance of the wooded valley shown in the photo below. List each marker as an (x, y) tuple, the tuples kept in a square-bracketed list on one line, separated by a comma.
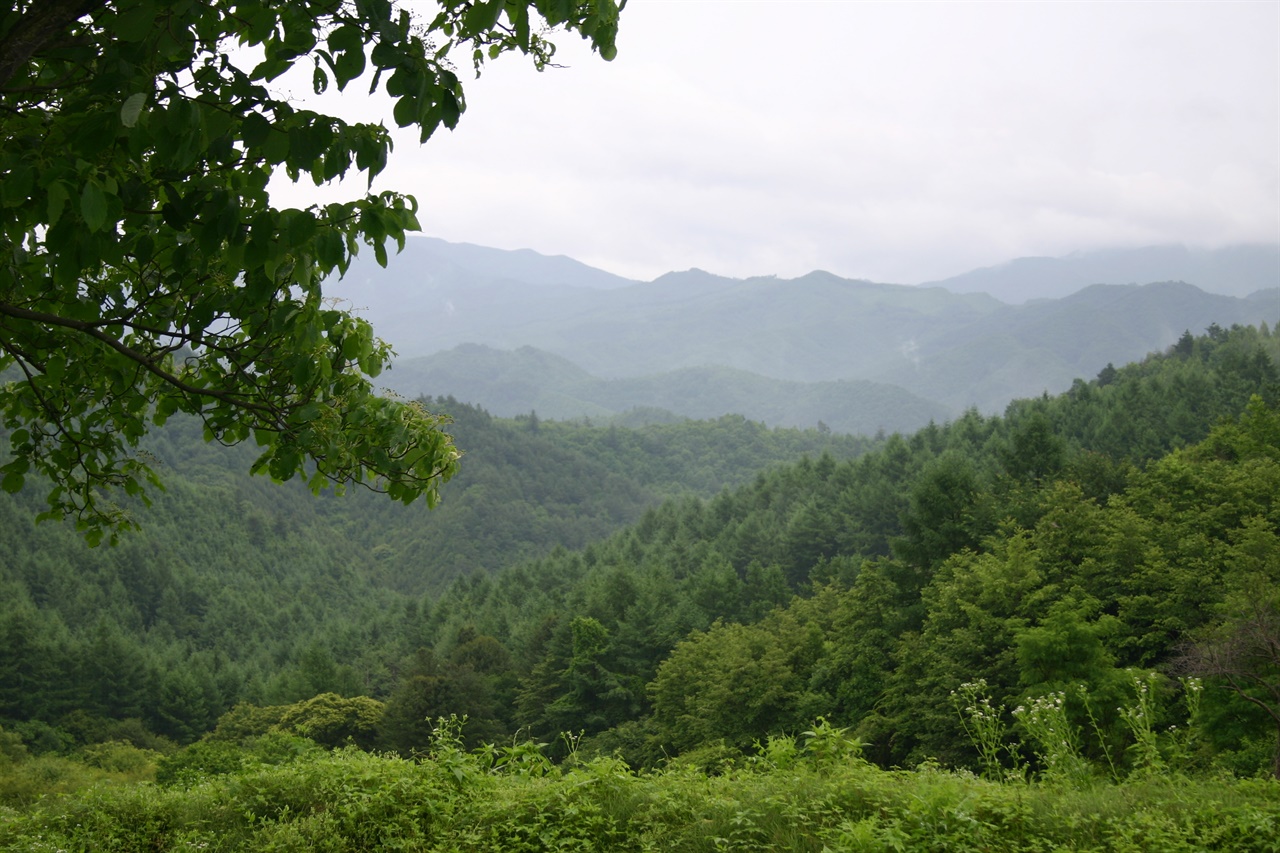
[(1049, 628)]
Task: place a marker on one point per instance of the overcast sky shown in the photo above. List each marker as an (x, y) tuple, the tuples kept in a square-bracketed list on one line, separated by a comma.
[(900, 142)]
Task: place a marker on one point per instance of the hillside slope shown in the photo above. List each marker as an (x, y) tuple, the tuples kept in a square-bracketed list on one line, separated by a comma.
[(512, 383)]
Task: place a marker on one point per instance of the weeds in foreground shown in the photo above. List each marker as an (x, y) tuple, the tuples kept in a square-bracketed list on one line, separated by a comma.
[(984, 725), (1056, 742), (812, 793)]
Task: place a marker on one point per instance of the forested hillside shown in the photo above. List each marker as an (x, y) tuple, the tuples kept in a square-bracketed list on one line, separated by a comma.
[(238, 589), (1084, 591), (512, 383), (863, 588), (939, 559)]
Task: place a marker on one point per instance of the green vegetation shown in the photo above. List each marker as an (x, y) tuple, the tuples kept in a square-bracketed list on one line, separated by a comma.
[(239, 590), (1062, 620), (811, 793), (694, 635), (145, 270)]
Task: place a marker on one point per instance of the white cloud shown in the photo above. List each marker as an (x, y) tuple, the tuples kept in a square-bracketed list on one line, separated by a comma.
[(895, 141)]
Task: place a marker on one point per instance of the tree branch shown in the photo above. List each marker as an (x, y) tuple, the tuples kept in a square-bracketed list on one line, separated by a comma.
[(42, 20), (142, 359)]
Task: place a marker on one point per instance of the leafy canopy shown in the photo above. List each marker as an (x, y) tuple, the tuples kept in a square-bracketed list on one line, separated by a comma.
[(144, 270)]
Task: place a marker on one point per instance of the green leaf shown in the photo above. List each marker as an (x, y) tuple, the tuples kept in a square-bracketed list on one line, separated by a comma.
[(329, 248), (166, 407), (93, 206), (353, 346), (347, 44), (345, 38), (17, 186), (521, 21), (405, 111), (254, 129), (304, 147), (134, 24), (132, 109), (270, 69), (58, 198), (301, 227), (12, 482), (483, 16), (307, 413), (275, 148), (350, 65)]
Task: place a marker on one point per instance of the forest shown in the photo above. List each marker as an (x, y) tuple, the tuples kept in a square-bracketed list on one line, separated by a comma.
[(1055, 628)]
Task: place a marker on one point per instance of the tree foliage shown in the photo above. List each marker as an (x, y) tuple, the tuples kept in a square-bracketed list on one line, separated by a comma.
[(143, 267)]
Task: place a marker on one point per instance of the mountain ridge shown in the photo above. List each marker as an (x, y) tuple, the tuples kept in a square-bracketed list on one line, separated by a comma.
[(509, 383), (1231, 271), (957, 349)]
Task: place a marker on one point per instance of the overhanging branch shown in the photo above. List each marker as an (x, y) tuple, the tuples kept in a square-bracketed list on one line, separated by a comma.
[(91, 330)]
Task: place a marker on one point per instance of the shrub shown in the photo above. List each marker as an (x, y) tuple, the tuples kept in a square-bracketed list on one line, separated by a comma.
[(119, 757)]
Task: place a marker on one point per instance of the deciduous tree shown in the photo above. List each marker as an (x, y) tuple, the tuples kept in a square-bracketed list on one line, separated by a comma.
[(144, 270)]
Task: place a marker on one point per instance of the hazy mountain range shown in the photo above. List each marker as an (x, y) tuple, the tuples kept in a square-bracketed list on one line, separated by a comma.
[(519, 331), (1232, 271), (516, 382)]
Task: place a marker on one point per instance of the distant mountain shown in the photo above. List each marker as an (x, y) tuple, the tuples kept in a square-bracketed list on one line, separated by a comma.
[(430, 259), (435, 295), (902, 366), (957, 349), (1024, 350), (509, 383), (1232, 271)]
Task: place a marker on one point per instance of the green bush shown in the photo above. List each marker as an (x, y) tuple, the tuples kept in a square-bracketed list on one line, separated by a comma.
[(333, 721), (206, 759), (347, 800), (12, 749), (200, 761), (45, 776), (328, 719), (119, 757)]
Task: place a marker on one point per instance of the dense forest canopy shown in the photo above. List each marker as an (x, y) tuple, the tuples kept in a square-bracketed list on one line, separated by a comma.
[(1075, 605), (1077, 541)]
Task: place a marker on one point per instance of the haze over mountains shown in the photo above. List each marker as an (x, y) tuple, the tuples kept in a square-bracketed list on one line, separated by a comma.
[(1231, 271), (519, 331)]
